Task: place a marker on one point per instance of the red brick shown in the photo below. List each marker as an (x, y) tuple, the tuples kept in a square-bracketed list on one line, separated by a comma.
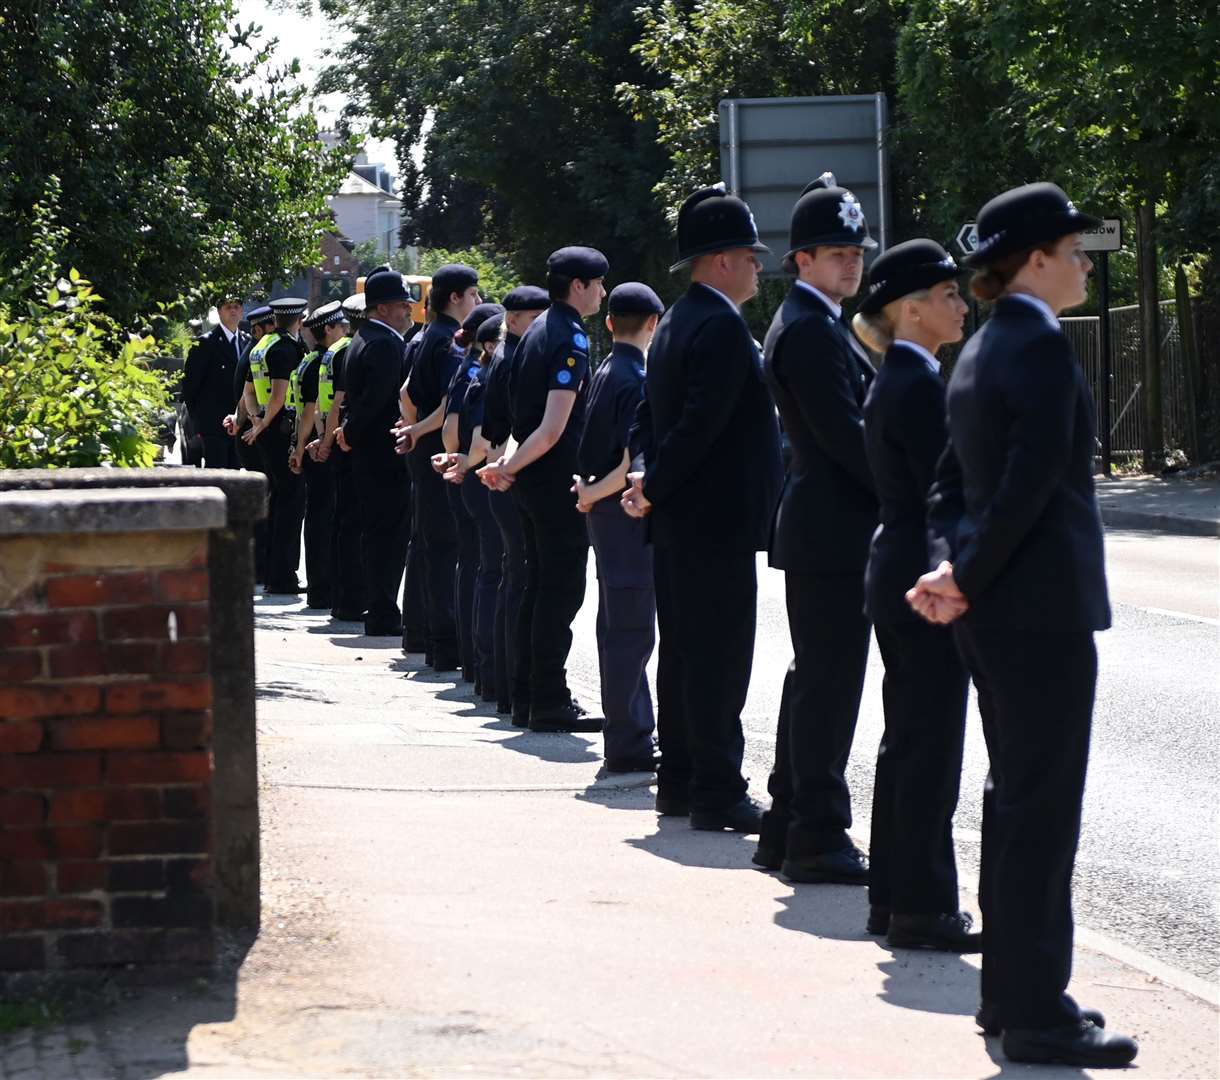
[(188, 910), (176, 838), (184, 767), (68, 699), (112, 949), (21, 809), (186, 731), (23, 879), (105, 733), (20, 665), (157, 696), (95, 590), (58, 628), (19, 771), (64, 842), (22, 954), (69, 807), (134, 804), (185, 658), (130, 658), (20, 736), (76, 661), (135, 875), (152, 623), (187, 802), (72, 877), (183, 585), (188, 875)]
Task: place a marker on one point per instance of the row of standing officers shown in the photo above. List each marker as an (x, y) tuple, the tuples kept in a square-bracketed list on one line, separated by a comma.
[(476, 461)]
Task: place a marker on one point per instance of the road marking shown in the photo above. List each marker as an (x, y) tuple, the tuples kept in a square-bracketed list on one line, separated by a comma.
[(1180, 615)]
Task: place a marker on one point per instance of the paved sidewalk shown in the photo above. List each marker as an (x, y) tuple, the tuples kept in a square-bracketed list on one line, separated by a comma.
[(1188, 506), (448, 896)]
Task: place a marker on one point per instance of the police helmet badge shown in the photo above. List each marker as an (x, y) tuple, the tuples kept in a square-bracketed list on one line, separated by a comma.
[(850, 213)]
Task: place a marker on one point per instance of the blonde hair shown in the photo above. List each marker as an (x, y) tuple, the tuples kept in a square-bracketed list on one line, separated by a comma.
[(876, 330)]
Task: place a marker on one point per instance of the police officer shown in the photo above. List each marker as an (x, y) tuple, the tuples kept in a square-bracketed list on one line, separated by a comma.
[(273, 359), (626, 608), (1015, 517), (551, 367), (819, 374), (313, 384), (415, 636), (712, 473), (522, 305), (207, 382), (455, 293), (911, 308), (372, 372)]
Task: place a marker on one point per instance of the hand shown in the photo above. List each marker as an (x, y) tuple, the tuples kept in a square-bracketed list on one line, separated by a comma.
[(937, 598), (312, 449), (229, 423), (256, 429), (495, 477), (323, 447), (404, 437), (459, 466), (579, 488), (440, 462), (294, 461), (634, 502), (341, 439)]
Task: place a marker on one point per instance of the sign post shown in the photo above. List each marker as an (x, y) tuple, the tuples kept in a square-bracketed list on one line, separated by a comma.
[(1101, 241)]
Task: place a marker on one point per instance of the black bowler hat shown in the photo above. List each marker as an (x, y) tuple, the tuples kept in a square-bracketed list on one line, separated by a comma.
[(585, 263), (452, 278), (1024, 217), (326, 315), (826, 214), (477, 317), (353, 306), (634, 298), (904, 269), (259, 315), (289, 306), (712, 220), (384, 287), (527, 298), (490, 328)]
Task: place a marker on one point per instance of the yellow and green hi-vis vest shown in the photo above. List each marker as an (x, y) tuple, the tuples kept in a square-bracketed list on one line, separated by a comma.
[(295, 401), (260, 373), (326, 375)]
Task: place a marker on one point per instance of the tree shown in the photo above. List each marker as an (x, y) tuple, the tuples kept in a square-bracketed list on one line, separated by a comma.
[(184, 154)]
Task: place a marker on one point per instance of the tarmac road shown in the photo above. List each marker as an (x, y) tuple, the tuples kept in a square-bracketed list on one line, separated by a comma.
[(1149, 864)]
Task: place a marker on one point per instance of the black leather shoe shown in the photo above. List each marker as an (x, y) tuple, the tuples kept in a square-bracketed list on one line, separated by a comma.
[(987, 1019), (672, 805), (372, 629), (521, 716), (846, 867), (630, 765), (878, 920), (347, 616), (443, 663), (569, 718), (766, 858), (743, 817), (945, 932), (1082, 1044)]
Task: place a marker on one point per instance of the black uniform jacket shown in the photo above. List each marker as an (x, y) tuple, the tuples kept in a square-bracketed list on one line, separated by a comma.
[(708, 430), (1013, 505), (904, 430), (497, 392), (207, 380), (372, 374), (819, 377), (434, 361)]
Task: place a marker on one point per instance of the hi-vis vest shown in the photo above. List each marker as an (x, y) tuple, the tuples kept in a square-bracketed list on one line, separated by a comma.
[(260, 373), (326, 375), (295, 401)]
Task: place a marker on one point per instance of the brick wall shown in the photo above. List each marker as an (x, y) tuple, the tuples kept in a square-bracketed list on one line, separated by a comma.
[(105, 751)]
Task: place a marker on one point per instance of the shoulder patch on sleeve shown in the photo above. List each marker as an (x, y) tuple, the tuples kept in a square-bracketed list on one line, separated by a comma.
[(563, 378)]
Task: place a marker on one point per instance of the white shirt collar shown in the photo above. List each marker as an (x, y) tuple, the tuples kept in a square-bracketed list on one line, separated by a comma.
[(1040, 304), (929, 359), (389, 328), (229, 334), (721, 295), (836, 309)]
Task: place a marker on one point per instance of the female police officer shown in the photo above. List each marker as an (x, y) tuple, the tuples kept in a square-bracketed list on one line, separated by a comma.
[(911, 308), (1014, 515)]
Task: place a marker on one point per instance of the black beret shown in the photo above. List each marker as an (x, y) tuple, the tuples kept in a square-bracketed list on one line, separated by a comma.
[(585, 263), (1024, 217), (634, 298), (289, 305), (477, 317), (904, 269), (712, 220), (384, 287), (453, 278), (527, 298), (490, 328), (259, 315)]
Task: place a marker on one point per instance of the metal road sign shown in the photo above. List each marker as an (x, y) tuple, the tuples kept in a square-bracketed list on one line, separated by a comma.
[(1108, 236), (968, 238)]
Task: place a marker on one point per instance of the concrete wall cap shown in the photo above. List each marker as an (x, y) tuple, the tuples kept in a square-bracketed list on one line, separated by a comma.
[(174, 509)]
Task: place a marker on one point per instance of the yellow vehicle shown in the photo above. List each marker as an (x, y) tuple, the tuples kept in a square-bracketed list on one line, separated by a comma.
[(418, 285)]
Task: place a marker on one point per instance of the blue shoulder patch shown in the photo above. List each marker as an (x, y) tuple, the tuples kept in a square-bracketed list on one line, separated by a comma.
[(472, 371), (580, 341), (564, 377)]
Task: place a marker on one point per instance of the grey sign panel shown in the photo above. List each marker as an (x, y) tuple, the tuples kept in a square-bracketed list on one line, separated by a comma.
[(770, 148)]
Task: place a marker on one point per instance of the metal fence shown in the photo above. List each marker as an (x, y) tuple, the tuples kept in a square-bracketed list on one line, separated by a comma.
[(1127, 375)]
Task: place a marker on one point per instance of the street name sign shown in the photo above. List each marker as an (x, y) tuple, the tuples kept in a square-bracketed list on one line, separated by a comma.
[(1108, 236)]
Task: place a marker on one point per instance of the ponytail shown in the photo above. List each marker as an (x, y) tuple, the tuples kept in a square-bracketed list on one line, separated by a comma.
[(875, 330)]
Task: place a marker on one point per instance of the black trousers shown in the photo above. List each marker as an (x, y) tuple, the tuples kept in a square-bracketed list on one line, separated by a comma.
[(319, 530), (706, 604), (384, 497), (251, 459), (556, 557), (493, 674), (1035, 694), (912, 868), (465, 575), (415, 636), (286, 508), (626, 628), (348, 594), (512, 584), (219, 452), (810, 804), (437, 538)]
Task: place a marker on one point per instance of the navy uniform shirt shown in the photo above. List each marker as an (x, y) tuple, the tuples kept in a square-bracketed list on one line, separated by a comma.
[(615, 392), (553, 355), (497, 391), (433, 363)]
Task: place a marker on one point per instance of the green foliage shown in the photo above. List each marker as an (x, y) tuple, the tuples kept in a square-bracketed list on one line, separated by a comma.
[(496, 274), (186, 156)]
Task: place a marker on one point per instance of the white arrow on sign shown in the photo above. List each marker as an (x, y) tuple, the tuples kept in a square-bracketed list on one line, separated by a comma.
[(968, 237)]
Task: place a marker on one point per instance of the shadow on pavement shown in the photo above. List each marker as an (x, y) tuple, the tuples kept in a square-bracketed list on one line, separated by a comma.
[(676, 841), (555, 747)]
